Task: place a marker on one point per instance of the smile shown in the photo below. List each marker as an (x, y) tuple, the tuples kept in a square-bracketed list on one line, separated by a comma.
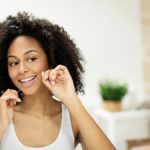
[(26, 82), (27, 79)]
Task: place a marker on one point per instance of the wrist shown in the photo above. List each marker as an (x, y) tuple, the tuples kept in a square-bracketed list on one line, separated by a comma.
[(71, 101)]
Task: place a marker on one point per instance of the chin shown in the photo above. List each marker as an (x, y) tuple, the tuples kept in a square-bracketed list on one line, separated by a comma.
[(33, 89), (29, 91)]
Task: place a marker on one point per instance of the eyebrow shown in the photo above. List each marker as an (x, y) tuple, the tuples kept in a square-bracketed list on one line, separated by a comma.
[(29, 51)]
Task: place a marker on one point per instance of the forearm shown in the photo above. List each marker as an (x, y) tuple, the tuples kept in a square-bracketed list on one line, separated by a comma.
[(93, 136)]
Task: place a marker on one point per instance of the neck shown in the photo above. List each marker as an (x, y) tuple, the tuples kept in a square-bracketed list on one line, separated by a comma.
[(40, 103)]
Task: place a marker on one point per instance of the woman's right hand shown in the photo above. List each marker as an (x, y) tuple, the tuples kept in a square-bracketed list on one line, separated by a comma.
[(7, 101)]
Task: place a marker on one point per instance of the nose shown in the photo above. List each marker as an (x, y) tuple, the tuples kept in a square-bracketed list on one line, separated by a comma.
[(23, 68)]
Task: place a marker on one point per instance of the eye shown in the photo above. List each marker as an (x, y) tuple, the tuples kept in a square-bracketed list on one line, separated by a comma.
[(32, 59), (13, 64)]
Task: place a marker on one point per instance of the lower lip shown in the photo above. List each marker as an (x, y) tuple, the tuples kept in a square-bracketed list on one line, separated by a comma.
[(28, 84)]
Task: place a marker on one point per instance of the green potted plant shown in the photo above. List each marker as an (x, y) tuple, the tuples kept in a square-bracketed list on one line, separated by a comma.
[(112, 93)]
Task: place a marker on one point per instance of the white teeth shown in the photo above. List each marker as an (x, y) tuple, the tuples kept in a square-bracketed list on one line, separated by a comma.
[(27, 79)]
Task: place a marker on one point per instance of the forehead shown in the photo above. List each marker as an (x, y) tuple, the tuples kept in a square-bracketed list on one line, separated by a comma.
[(22, 44)]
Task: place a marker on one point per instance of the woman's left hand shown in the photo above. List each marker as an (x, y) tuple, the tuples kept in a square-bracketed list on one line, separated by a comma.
[(60, 83)]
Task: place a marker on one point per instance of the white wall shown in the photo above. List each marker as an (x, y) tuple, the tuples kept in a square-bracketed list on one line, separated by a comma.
[(107, 32)]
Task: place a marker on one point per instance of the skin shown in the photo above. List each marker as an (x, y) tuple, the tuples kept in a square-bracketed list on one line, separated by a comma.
[(38, 114)]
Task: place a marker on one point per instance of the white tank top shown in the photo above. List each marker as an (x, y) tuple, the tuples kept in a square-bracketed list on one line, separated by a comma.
[(65, 139)]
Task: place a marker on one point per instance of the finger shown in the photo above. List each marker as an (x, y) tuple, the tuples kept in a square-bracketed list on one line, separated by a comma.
[(13, 91), (11, 102), (49, 75), (9, 91), (10, 96), (45, 81), (56, 74), (46, 74), (63, 68), (60, 72), (52, 76), (5, 92)]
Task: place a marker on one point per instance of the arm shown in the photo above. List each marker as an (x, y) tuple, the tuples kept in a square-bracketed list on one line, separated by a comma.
[(90, 134), (60, 83), (7, 101)]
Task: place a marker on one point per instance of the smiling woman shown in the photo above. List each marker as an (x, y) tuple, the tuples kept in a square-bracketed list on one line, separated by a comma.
[(26, 60), (43, 64)]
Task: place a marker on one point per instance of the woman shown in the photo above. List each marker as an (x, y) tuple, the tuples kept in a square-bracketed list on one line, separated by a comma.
[(40, 77)]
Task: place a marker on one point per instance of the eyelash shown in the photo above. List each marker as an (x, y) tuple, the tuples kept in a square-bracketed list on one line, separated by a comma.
[(33, 58), (13, 64), (16, 63)]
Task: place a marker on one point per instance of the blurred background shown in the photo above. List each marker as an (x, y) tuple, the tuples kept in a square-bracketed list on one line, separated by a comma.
[(113, 36)]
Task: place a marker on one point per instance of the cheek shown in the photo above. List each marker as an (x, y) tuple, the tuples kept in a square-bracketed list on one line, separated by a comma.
[(41, 67), (12, 73)]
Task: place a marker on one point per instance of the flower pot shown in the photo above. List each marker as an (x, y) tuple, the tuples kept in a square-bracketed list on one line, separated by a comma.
[(112, 106)]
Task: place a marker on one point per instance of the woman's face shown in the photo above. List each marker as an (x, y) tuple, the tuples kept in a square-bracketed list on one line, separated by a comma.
[(26, 61)]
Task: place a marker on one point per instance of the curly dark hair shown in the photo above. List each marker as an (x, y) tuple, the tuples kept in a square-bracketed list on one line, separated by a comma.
[(57, 44)]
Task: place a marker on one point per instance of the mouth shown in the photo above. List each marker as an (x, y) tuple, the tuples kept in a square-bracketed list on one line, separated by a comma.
[(26, 82)]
